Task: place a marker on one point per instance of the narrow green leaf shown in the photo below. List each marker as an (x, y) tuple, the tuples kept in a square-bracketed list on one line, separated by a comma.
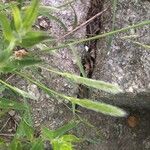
[(16, 17), (78, 60), (2, 88), (4, 55), (25, 130), (27, 115), (28, 130), (15, 145), (11, 66), (47, 134), (30, 15), (142, 45), (11, 104), (6, 68), (37, 145), (60, 131), (107, 87), (98, 106), (70, 138), (19, 91), (27, 61), (32, 38), (6, 27)]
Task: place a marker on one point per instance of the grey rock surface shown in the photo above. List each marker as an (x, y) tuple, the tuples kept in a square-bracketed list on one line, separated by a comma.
[(124, 62)]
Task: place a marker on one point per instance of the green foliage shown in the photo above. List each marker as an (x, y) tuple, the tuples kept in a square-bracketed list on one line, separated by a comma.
[(19, 33), (17, 90), (32, 38), (16, 18), (50, 134), (7, 32), (30, 15), (58, 138), (37, 145), (11, 104), (64, 142)]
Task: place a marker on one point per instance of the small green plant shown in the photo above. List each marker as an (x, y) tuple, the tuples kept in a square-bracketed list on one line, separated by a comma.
[(18, 32)]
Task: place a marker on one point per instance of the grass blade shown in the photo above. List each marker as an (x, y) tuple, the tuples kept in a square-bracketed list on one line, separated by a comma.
[(19, 91), (16, 17), (30, 15), (142, 45), (6, 27), (98, 107), (37, 145), (11, 104), (107, 87), (32, 38), (51, 134), (78, 60)]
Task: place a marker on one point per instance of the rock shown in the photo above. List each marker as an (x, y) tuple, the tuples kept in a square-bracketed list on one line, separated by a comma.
[(126, 63)]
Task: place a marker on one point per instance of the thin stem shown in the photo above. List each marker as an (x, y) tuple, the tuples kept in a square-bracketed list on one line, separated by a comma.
[(100, 36), (113, 22), (78, 60)]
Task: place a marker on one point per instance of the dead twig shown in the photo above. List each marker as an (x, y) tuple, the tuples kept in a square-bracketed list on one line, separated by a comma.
[(10, 135), (5, 124), (84, 23), (10, 77)]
